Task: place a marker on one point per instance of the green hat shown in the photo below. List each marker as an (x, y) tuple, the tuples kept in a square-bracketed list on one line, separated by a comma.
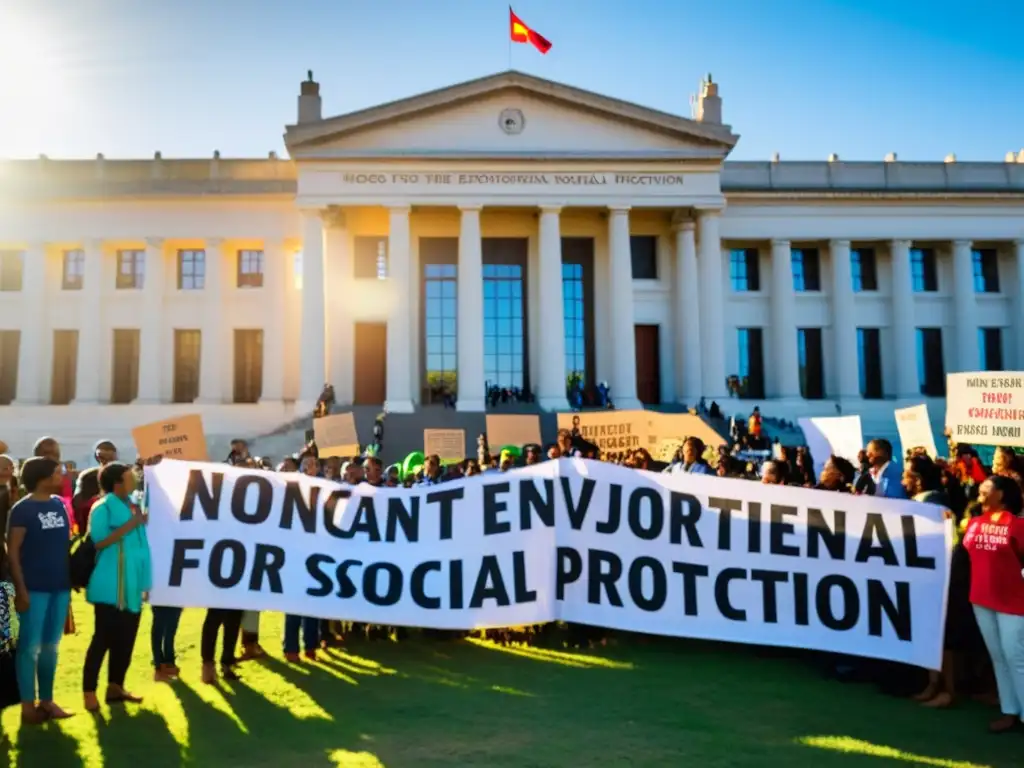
[(413, 462)]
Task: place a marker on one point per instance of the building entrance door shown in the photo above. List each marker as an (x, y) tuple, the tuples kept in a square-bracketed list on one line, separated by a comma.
[(371, 363)]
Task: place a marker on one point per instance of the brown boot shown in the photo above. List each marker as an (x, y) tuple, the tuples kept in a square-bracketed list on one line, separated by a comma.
[(160, 674), (209, 673)]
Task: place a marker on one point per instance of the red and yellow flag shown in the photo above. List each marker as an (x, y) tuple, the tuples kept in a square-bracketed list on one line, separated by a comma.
[(523, 34)]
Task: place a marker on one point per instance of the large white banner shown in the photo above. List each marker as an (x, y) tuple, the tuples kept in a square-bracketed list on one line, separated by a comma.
[(574, 540)]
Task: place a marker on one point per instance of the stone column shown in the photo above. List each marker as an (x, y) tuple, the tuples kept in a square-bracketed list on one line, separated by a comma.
[(153, 347), (399, 353), (91, 330), (709, 262), (216, 348), (551, 381), (965, 314), (844, 322), (313, 325), (1018, 257), (903, 331), (784, 346), (36, 328), (623, 321), (276, 274), (687, 316), (470, 293), (338, 274)]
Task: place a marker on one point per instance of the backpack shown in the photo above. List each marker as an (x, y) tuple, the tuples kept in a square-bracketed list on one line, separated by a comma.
[(82, 561)]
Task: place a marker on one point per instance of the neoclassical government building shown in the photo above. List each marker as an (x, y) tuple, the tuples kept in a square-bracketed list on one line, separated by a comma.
[(507, 231)]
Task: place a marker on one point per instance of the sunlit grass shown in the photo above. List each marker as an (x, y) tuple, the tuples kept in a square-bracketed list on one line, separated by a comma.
[(849, 745)]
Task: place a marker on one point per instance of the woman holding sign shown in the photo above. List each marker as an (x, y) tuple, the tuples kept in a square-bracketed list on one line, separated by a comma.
[(995, 542)]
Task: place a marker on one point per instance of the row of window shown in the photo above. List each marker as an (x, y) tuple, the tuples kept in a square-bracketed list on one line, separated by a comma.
[(124, 386), (745, 272), (931, 369)]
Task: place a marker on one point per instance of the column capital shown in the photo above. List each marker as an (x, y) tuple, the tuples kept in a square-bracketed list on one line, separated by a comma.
[(334, 217), (471, 207), (93, 244), (777, 243), (838, 243), (684, 225), (549, 209), (620, 209), (901, 243), (213, 242), (155, 242), (399, 208), (962, 243)]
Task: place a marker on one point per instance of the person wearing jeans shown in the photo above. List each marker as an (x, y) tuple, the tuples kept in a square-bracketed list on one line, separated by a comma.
[(165, 629), (310, 636), (118, 585), (38, 544), (995, 543)]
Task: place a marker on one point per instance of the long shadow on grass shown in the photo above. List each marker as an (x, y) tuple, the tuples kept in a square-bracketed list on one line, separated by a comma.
[(125, 734), (45, 745)]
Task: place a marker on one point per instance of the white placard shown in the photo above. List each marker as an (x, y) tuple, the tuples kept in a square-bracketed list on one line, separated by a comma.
[(915, 429), (986, 407), (826, 435)]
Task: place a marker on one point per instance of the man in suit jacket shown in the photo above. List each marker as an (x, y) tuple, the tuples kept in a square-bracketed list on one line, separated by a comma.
[(887, 476)]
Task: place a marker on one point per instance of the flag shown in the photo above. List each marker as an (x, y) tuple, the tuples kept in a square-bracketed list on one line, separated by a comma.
[(523, 34)]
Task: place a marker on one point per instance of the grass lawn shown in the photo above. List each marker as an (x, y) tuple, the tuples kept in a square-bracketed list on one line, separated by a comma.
[(418, 703)]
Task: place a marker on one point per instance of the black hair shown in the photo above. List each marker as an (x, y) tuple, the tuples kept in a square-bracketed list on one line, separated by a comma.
[(88, 483), (884, 445), (1012, 498), (697, 443), (845, 468), (373, 461), (37, 449), (111, 475), (35, 470), (927, 470)]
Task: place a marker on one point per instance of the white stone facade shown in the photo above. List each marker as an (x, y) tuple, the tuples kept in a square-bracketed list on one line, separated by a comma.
[(509, 156)]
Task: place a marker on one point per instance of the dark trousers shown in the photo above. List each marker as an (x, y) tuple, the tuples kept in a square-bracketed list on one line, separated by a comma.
[(113, 634), (216, 618), (165, 627), (310, 633)]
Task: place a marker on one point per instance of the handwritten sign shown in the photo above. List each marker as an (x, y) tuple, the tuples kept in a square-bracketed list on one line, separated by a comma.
[(916, 429), (611, 431), (449, 444), (676, 427), (181, 438), (336, 435), (986, 408), (512, 429)]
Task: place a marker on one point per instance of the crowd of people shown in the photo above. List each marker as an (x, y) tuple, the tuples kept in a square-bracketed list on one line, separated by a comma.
[(55, 521)]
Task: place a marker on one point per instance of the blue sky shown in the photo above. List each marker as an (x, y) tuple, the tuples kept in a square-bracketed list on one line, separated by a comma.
[(801, 77)]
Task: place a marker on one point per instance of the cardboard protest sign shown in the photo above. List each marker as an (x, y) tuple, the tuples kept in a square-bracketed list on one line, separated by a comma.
[(678, 427), (567, 540), (986, 408), (512, 429), (336, 435), (181, 438), (610, 431), (915, 429), (449, 444), (825, 435)]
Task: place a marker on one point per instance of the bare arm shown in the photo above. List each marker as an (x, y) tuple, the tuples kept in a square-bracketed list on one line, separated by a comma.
[(120, 533), (15, 538)]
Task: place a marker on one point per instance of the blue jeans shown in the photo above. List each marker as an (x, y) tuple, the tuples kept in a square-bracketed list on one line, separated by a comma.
[(310, 633), (42, 627), (165, 627), (1003, 634)]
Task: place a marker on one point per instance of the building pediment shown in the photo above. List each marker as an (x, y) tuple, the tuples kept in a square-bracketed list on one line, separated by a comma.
[(509, 115)]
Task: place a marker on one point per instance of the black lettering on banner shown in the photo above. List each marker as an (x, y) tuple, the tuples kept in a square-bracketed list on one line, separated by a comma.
[(874, 524), (657, 507), (569, 568), (684, 512), (722, 593), (520, 589), (659, 583), (417, 585), (455, 583), (611, 525), (392, 594), (778, 529), (240, 499), (364, 521), (267, 563), (690, 572), (912, 555), (207, 496), (446, 499), (801, 608), (754, 527), (769, 581), (294, 503), (180, 561), (577, 511), (330, 507), (899, 614), (346, 586), (218, 553), (725, 509), (531, 500), (850, 599), (408, 518), (489, 583), (493, 506), (819, 532), (325, 585), (598, 577)]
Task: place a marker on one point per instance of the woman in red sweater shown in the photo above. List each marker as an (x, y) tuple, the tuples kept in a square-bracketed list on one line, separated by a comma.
[(995, 542)]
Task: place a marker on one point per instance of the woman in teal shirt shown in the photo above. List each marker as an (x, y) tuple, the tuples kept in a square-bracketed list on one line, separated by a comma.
[(118, 584)]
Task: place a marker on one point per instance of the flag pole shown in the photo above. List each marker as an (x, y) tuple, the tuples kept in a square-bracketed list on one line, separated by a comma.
[(510, 51)]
